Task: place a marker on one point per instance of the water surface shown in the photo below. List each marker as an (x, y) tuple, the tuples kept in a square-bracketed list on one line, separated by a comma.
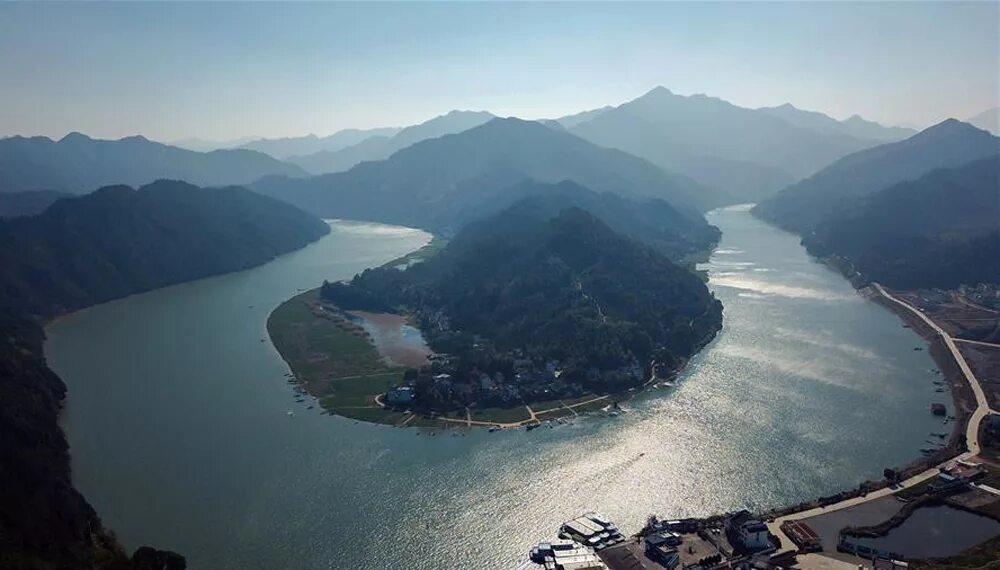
[(935, 532), (180, 437)]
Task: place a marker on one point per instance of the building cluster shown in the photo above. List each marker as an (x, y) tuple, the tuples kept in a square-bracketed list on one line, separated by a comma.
[(747, 532), (501, 381)]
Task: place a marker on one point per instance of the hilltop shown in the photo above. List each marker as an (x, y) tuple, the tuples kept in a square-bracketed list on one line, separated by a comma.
[(802, 206), (514, 293)]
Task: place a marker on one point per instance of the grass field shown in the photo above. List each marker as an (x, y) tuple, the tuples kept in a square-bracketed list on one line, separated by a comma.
[(333, 360)]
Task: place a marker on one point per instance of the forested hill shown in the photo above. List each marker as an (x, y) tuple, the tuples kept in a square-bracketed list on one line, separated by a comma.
[(80, 251), (940, 230), (804, 205), (77, 164), (118, 241), (548, 286), (17, 204), (679, 236), (417, 183)]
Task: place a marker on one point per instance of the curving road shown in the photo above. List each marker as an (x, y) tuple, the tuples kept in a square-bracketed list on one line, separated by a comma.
[(971, 431)]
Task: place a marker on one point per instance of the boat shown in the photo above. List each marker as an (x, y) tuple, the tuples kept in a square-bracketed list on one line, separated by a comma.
[(290, 413)]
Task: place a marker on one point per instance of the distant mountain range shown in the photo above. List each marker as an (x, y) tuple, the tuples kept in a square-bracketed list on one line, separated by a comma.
[(570, 121), (988, 120), (417, 184), (854, 126), (282, 148), (940, 230), (380, 147), (748, 153), (77, 163), (802, 206)]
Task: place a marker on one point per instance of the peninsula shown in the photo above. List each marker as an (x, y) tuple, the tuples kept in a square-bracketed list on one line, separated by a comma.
[(534, 313)]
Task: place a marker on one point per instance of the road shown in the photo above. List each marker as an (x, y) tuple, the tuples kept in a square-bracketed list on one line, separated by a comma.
[(979, 342), (971, 431)]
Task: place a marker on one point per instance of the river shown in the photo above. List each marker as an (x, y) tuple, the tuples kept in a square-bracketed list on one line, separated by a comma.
[(178, 425)]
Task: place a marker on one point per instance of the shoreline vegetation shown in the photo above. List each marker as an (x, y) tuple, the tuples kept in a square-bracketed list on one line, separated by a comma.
[(522, 325), (335, 360)]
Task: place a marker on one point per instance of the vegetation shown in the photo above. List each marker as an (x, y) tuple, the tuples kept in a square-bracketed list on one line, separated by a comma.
[(332, 358), (118, 241), (537, 304), (16, 204), (82, 251), (941, 230), (44, 522), (679, 235), (803, 206)]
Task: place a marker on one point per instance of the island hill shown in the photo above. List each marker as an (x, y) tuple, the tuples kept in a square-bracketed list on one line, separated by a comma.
[(539, 311)]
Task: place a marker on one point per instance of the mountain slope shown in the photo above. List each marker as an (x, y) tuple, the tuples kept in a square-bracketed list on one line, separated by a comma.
[(418, 182), (804, 205), (745, 152), (988, 120), (570, 121), (382, 147), (655, 222), (118, 241), (85, 250), (282, 148), (547, 284), (940, 230), (78, 164), (15, 204), (854, 126)]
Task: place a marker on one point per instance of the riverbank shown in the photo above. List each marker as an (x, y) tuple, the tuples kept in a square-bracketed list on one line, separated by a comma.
[(219, 447), (347, 361)]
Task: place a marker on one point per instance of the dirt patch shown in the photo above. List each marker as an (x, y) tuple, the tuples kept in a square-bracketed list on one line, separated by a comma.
[(396, 339)]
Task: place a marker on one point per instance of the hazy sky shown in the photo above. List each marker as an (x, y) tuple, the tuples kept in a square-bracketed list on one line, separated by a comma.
[(222, 71)]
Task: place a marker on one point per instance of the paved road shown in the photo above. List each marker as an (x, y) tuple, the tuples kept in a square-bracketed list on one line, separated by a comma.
[(971, 431), (979, 342), (982, 406)]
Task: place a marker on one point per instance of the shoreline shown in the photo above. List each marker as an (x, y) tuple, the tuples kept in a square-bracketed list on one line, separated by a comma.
[(377, 412)]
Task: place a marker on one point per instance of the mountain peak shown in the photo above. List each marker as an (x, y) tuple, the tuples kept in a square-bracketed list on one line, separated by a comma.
[(658, 91), (75, 137), (948, 127)]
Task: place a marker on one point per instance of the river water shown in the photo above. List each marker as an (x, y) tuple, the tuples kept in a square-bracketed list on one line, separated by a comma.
[(177, 418)]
